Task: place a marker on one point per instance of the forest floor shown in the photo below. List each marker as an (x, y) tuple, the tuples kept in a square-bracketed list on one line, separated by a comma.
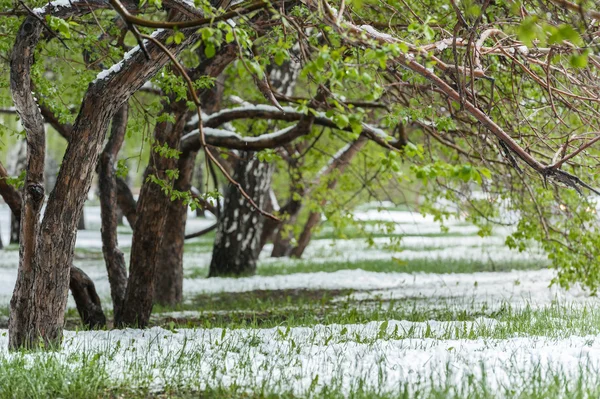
[(418, 313)]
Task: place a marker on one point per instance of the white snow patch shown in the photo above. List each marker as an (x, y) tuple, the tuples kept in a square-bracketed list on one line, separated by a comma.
[(342, 356)]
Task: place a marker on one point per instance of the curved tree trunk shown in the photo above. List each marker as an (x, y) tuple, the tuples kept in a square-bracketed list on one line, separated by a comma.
[(236, 246), (82, 287), (86, 299), (107, 185), (40, 297)]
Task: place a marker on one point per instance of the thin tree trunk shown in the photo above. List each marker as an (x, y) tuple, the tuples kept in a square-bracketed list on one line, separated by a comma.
[(15, 229), (19, 155), (339, 165), (149, 228), (236, 246), (168, 289), (81, 222), (86, 299), (282, 245), (127, 203), (199, 173), (107, 184)]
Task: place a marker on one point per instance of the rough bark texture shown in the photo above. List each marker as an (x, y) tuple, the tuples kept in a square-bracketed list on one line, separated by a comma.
[(238, 235), (32, 315), (86, 299), (126, 202), (282, 244), (82, 287), (40, 296), (149, 227), (199, 174), (107, 185), (19, 157), (339, 165), (168, 287)]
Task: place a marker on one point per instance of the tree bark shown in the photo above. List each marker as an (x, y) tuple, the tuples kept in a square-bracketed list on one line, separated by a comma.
[(107, 184), (282, 245), (149, 227), (40, 296), (127, 203), (82, 287), (86, 299), (15, 168), (168, 288), (236, 246)]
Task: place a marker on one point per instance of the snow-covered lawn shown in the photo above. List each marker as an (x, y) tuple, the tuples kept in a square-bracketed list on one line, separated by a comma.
[(341, 358), (387, 334)]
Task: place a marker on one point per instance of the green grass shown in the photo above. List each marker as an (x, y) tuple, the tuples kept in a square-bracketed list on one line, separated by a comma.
[(392, 265), (86, 375), (297, 308)]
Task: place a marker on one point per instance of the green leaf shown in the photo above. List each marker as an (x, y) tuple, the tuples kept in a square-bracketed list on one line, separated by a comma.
[(579, 60), (209, 50)]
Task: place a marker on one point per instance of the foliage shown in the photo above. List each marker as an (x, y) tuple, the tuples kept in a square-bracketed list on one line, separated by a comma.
[(530, 67)]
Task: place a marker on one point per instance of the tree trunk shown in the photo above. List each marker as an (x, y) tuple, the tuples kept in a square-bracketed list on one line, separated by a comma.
[(168, 289), (282, 245), (15, 229), (81, 222), (82, 287), (12, 197), (107, 185), (149, 227), (127, 203), (19, 156), (86, 299), (236, 246), (199, 173), (39, 300)]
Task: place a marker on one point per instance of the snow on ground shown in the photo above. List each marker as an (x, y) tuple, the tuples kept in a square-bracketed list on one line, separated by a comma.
[(342, 356), (495, 289), (371, 356), (516, 287)]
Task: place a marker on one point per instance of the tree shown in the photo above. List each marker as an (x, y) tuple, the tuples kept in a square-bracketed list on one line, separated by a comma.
[(236, 247), (505, 101)]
